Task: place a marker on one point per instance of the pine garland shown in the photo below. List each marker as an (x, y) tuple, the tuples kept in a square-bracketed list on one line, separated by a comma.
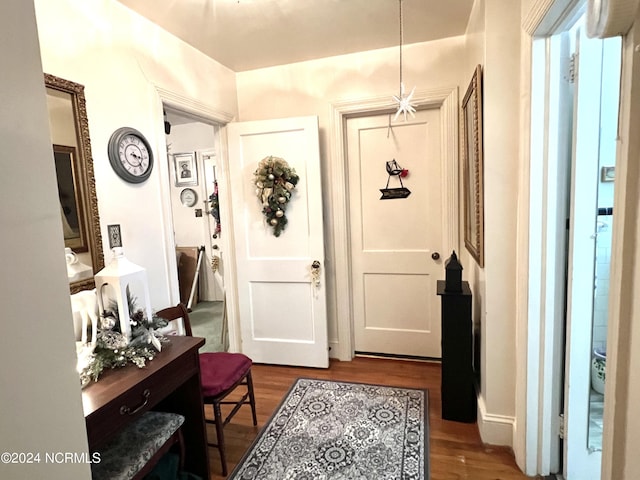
[(275, 182), (113, 351)]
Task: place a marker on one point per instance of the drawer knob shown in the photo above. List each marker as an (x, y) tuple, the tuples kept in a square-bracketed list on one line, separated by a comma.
[(124, 410)]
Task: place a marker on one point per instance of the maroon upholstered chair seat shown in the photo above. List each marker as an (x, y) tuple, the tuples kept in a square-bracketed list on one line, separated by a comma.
[(220, 374), (220, 371)]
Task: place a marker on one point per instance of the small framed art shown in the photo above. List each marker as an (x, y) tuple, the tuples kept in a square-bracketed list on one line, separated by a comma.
[(185, 168)]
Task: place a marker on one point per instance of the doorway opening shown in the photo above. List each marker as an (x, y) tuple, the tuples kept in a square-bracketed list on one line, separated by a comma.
[(575, 96), (192, 153)]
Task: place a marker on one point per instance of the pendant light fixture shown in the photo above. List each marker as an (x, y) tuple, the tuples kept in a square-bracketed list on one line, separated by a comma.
[(403, 101)]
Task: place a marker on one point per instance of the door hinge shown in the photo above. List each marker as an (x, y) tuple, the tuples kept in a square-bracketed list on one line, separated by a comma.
[(561, 431), (572, 71)]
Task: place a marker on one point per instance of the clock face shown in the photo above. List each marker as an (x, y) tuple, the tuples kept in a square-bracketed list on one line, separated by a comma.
[(188, 197), (133, 155), (130, 155)]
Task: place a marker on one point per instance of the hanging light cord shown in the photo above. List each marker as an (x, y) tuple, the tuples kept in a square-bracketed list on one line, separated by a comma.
[(401, 35), (404, 101)]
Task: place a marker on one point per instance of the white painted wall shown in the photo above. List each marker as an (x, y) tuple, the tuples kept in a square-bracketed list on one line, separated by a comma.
[(40, 394), (121, 58), (493, 40), (309, 88)]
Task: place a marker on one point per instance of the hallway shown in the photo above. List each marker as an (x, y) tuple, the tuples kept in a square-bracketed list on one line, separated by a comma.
[(455, 449)]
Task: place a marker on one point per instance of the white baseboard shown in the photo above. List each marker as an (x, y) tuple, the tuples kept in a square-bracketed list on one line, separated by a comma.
[(334, 349), (494, 429)]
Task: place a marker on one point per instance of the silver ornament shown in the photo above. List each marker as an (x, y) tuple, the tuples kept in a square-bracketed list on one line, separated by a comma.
[(107, 323)]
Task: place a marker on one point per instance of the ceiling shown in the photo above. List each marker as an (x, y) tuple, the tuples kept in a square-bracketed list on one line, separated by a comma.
[(249, 34)]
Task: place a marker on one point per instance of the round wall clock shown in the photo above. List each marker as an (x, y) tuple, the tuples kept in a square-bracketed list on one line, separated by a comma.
[(130, 155), (188, 197)]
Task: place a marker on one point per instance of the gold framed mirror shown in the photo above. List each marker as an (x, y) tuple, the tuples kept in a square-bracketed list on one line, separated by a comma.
[(473, 181), (69, 127)]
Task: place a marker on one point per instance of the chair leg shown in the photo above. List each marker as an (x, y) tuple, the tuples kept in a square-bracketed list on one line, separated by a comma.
[(220, 421), (181, 450), (217, 414), (252, 399)]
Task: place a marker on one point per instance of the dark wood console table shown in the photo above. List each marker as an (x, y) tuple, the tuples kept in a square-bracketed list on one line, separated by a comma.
[(170, 383)]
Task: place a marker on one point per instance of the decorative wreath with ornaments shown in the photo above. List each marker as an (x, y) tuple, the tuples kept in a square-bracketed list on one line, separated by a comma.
[(275, 181)]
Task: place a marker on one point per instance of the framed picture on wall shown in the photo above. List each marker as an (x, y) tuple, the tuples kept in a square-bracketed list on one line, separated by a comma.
[(71, 208), (185, 168), (472, 164)]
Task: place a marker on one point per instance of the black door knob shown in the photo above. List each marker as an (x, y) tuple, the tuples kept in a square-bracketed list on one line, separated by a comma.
[(435, 255)]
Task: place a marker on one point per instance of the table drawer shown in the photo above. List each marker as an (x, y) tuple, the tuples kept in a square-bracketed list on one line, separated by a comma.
[(112, 417)]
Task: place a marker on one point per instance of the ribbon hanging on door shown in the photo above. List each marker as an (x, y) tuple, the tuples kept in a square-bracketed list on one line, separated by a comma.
[(215, 204)]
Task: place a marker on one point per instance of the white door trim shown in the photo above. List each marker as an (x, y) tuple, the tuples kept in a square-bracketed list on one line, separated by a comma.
[(446, 99), (194, 107), (536, 337), (546, 17)]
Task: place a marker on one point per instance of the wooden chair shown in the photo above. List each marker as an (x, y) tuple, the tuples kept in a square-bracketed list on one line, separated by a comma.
[(220, 374)]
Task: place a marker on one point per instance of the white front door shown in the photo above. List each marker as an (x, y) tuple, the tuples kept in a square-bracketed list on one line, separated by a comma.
[(394, 241), (282, 306)]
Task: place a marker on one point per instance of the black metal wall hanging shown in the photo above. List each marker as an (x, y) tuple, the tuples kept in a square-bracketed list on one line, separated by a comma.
[(395, 170)]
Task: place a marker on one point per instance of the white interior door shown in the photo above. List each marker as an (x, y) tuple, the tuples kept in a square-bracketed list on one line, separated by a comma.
[(580, 462), (395, 306), (282, 309), (213, 245)]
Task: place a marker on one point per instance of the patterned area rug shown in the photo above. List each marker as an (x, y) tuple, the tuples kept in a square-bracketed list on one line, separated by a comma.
[(326, 430)]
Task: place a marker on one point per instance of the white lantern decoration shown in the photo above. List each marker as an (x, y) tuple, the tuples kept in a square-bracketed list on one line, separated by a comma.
[(112, 283)]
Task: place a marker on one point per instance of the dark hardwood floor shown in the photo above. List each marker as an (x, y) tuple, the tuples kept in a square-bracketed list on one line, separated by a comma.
[(455, 449)]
